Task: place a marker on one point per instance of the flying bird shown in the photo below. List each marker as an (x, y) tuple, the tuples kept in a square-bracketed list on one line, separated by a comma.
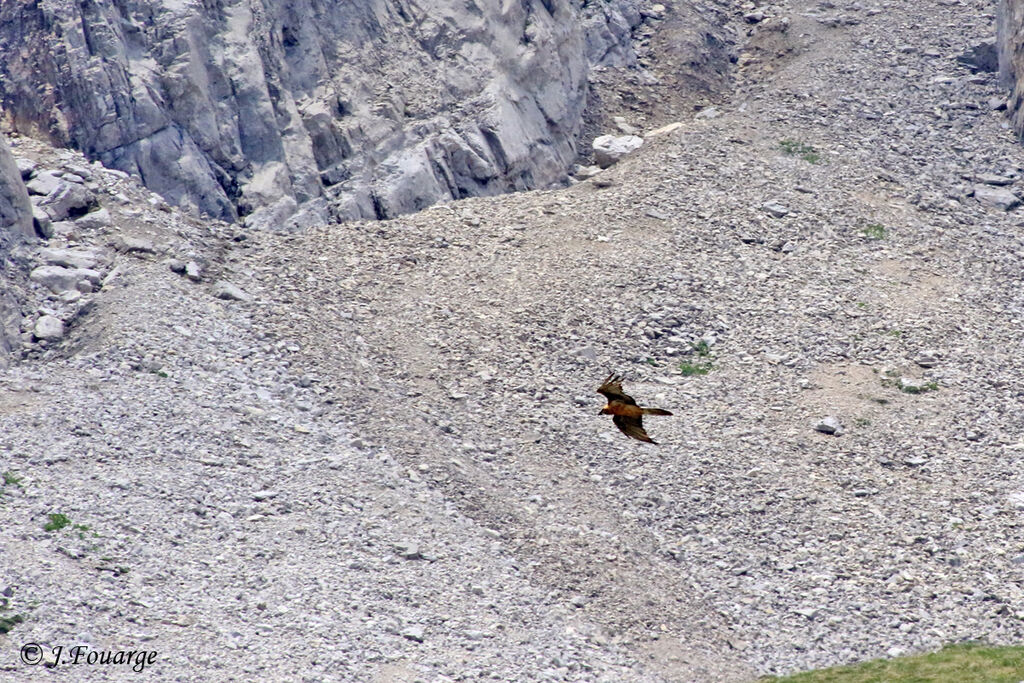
[(626, 414)]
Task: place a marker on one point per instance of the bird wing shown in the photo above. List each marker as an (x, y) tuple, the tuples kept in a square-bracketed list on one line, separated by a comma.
[(612, 389), (632, 427)]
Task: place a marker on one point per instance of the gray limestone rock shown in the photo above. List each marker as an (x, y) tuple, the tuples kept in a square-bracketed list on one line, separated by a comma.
[(608, 149), (94, 220), (49, 328), (225, 290), (829, 425), (378, 108), (67, 201), (82, 257), (58, 279), (996, 197), (15, 208), (43, 183)]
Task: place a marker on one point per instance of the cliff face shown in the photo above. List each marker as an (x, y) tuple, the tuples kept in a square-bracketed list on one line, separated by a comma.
[(1010, 45), (15, 228), (252, 107)]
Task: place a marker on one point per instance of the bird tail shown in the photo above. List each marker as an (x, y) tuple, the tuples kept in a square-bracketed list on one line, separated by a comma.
[(655, 411)]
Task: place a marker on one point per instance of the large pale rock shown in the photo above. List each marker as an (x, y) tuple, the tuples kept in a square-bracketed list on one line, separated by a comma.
[(67, 201), (608, 149), (15, 208), (49, 328), (996, 197), (59, 279)]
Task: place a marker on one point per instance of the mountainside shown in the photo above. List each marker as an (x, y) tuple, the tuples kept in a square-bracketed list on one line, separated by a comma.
[(291, 112), (371, 450)]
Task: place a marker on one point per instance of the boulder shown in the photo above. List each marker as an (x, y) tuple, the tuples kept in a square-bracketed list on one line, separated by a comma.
[(608, 149), (996, 197), (59, 279), (49, 328)]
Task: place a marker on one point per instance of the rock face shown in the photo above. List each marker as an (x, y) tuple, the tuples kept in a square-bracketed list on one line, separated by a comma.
[(1010, 46), (15, 229), (285, 109), (15, 208)]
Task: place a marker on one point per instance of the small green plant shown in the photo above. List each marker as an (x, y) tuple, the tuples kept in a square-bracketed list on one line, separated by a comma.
[(8, 622), (691, 369), (861, 421), (875, 231), (919, 388), (11, 480), (804, 151), (57, 522), (861, 304), (161, 373), (703, 365)]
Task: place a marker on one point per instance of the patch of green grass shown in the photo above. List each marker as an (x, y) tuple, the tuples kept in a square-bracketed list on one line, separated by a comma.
[(875, 231), (7, 623), (913, 389), (11, 480), (703, 365), (963, 663), (794, 148), (701, 348), (691, 369), (57, 522)]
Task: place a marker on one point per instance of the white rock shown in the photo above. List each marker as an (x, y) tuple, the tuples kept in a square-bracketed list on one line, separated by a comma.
[(996, 197), (49, 328), (608, 149)]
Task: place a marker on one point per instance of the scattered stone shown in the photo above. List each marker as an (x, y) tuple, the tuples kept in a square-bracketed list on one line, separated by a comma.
[(43, 184), (609, 149), (26, 167), (193, 271), (176, 266), (578, 601), (408, 550), (994, 179), (413, 633), (624, 127), (41, 221), (49, 328), (829, 425), (68, 201), (58, 279), (81, 257), (225, 290), (94, 220), (927, 359), (585, 172), (138, 245), (664, 129), (981, 58), (997, 198), (775, 209)]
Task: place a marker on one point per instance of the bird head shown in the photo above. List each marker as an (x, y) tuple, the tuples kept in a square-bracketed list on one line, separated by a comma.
[(605, 411)]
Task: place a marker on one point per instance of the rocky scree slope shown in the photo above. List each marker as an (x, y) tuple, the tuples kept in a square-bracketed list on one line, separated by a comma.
[(373, 449), (288, 112)]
